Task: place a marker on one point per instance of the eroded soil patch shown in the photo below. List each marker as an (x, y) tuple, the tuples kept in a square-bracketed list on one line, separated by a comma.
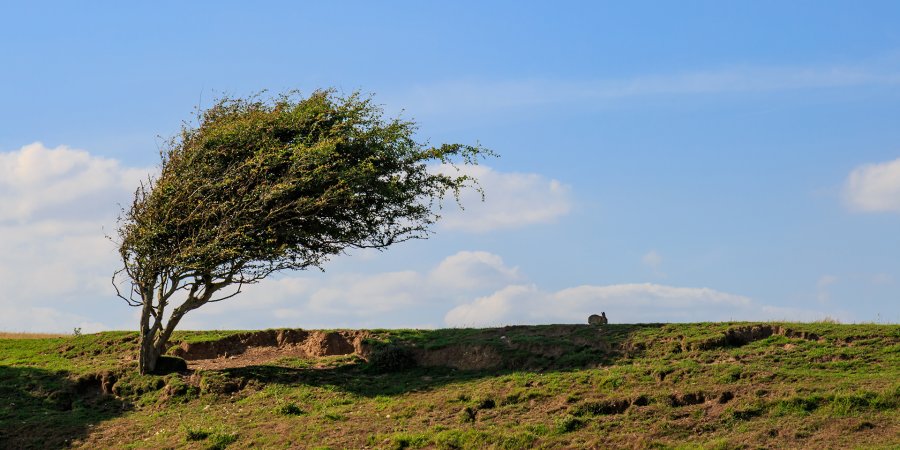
[(508, 347), (261, 347)]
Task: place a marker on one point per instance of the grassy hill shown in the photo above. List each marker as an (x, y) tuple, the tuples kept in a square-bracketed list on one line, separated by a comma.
[(707, 385)]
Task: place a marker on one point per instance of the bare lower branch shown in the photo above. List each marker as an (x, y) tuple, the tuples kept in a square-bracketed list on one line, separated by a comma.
[(129, 301), (240, 284)]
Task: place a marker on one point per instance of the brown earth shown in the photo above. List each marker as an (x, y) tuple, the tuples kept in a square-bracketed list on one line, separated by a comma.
[(476, 357), (260, 347)]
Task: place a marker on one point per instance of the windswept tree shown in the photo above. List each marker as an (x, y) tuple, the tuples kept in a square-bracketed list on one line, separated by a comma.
[(260, 186)]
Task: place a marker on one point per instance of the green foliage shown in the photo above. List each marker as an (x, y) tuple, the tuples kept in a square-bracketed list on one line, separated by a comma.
[(260, 186), (285, 184)]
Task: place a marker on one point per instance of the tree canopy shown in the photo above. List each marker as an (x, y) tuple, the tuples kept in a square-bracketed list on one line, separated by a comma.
[(264, 185)]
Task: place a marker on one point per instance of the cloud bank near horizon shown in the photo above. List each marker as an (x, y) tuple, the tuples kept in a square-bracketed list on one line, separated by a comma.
[(55, 263), (500, 295)]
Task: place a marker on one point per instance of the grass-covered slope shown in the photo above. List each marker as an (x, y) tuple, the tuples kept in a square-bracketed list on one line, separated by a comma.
[(711, 385)]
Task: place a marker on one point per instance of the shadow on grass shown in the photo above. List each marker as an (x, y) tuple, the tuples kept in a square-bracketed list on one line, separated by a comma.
[(356, 378), (360, 378), (42, 409)]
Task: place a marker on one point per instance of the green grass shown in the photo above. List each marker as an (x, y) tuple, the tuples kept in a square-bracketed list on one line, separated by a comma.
[(651, 386)]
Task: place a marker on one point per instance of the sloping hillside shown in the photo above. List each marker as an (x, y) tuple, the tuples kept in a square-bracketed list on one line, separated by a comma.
[(711, 385)]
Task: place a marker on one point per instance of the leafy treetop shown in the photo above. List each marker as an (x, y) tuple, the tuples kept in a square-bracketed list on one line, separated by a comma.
[(262, 185)]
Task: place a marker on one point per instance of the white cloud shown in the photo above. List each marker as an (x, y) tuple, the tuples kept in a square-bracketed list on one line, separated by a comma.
[(364, 296), (473, 270), (486, 292), (387, 299), (478, 289), (39, 182), (511, 200), (498, 308), (874, 187), (56, 205), (45, 319)]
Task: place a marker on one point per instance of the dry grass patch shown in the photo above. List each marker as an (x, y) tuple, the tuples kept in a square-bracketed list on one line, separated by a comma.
[(12, 335)]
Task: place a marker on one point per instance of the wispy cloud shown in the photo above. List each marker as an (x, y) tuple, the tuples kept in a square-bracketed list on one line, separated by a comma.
[(823, 293), (472, 95), (653, 260)]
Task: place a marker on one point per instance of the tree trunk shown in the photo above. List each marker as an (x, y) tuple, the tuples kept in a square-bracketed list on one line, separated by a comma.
[(149, 354), (154, 338)]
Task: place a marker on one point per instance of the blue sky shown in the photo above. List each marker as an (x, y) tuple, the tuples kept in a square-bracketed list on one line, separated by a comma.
[(660, 161)]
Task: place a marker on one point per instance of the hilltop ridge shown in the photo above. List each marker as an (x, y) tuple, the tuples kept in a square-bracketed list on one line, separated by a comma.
[(709, 385)]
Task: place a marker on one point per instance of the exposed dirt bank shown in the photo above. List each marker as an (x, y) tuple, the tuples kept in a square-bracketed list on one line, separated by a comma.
[(513, 346), (263, 346), (507, 347)]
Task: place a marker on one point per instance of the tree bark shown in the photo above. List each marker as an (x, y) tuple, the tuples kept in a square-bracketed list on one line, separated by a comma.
[(149, 355), (154, 338)]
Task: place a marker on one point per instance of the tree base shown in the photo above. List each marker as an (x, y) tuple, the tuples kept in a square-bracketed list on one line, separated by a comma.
[(169, 364)]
